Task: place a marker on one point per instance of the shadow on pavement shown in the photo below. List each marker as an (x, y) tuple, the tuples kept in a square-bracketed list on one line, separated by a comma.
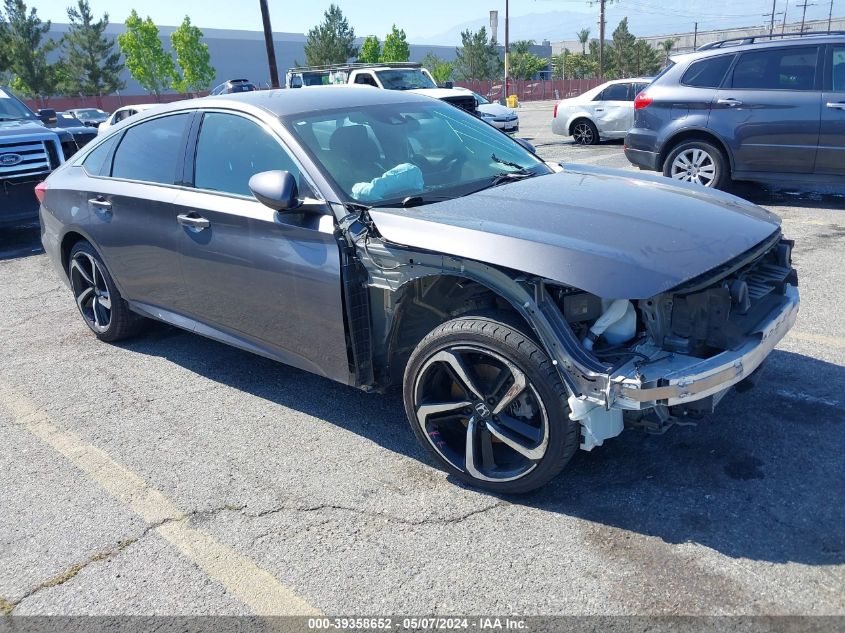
[(761, 479), (21, 241)]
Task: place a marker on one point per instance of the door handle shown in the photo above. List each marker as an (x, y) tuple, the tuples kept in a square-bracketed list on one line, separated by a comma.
[(193, 220), (100, 202), (837, 105), (599, 109), (730, 102)]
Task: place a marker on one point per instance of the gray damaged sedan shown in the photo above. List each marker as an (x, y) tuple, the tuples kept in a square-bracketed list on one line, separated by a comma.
[(382, 238)]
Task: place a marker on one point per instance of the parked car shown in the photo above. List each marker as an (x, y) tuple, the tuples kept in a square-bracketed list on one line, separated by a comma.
[(234, 85), (371, 237), (605, 112), (29, 151), (760, 108), (497, 115), (121, 114), (405, 76), (92, 117), (82, 134)]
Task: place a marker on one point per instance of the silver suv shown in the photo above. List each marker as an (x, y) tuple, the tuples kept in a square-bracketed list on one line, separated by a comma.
[(762, 109)]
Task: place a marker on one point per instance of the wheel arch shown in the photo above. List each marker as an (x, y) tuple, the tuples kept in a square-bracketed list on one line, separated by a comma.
[(70, 239), (690, 135), (580, 116)]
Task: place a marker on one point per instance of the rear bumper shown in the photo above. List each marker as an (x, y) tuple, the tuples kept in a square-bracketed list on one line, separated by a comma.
[(679, 379), (643, 159), (18, 204)]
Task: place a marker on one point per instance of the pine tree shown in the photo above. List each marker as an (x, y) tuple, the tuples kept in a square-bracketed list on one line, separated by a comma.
[(193, 58), (91, 64), (478, 58), (331, 42), (396, 47), (26, 53)]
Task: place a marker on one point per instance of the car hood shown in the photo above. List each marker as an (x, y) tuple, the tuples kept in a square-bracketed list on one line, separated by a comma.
[(608, 232), (496, 109), (20, 128)]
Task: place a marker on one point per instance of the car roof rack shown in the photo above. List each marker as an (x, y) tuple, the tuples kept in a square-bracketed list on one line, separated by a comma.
[(753, 39), (353, 66)]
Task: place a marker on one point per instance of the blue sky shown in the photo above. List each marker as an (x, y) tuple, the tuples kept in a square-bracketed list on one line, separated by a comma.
[(423, 19)]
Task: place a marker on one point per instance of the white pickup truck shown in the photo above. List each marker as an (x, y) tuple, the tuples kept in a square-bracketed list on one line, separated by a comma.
[(408, 76)]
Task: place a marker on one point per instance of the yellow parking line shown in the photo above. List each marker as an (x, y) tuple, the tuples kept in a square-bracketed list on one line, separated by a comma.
[(256, 587), (831, 341)]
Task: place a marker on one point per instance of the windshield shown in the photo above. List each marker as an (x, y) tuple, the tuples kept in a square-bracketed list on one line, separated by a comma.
[(404, 79), (383, 154), (11, 108), (88, 113)]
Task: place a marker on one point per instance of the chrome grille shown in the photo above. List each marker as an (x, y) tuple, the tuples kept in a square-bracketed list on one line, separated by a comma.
[(34, 155)]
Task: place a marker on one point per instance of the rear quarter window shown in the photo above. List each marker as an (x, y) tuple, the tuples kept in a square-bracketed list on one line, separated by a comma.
[(707, 73)]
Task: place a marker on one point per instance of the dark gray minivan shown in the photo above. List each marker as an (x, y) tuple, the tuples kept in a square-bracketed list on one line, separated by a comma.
[(762, 109)]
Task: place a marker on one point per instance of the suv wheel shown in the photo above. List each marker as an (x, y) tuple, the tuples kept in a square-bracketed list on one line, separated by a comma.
[(700, 162), (584, 132), (98, 299), (489, 406)]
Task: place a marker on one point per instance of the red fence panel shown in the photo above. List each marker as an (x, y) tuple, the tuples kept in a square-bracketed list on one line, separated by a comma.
[(531, 90), (109, 103)]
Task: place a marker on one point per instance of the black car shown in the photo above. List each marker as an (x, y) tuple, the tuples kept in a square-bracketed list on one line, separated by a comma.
[(768, 109), (233, 86), (382, 237)]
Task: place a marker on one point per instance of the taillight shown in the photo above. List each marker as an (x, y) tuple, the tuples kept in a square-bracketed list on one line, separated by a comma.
[(642, 101), (40, 191), (554, 116)]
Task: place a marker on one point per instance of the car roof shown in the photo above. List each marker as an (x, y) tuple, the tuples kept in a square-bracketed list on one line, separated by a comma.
[(729, 47), (288, 101)]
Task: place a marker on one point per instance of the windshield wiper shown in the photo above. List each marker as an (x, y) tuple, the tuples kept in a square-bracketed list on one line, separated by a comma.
[(519, 168)]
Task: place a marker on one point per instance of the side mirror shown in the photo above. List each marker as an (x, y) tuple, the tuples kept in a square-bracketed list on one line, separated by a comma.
[(47, 116), (275, 189), (525, 144), (447, 84)]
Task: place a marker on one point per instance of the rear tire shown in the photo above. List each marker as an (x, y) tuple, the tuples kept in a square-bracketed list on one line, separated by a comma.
[(699, 162), (584, 132), (489, 407), (97, 297)]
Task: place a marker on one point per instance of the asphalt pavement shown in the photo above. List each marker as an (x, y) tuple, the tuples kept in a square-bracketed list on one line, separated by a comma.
[(174, 475)]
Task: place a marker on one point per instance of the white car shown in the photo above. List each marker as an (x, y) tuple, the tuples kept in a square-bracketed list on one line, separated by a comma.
[(495, 114), (605, 112), (123, 113)]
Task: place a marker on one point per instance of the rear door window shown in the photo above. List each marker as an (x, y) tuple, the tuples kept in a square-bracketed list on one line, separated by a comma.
[(616, 92), (152, 151), (838, 83), (96, 162), (779, 69), (707, 73)]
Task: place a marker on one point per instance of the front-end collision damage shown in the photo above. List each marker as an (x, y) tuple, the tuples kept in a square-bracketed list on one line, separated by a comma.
[(638, 376)]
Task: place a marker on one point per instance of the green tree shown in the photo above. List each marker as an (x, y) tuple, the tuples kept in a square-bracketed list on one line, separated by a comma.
[(439, 68), (622, 50), (522, 63), (370, 51), (583, 37), (593, 54), (5, 60), (666, 47), (574, 66), (26, 53), (478, 58), (91, 64), (146, 59), (331, 42), (396, 47), (193, 58), (646, 59)]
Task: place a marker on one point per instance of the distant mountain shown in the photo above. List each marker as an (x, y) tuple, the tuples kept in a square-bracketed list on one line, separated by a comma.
[(554, 25)]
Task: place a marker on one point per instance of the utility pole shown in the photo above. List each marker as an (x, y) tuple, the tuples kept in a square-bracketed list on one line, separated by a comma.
[(268, 43), (785, 10), (772, 23), (507, 48), (830, 16), (804, 14), (601, 38), (695, 37)]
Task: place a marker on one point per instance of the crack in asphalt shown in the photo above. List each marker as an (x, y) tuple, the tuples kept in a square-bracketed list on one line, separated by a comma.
[(7, 607)]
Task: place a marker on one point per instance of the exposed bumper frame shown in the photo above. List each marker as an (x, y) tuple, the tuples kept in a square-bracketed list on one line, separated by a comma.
[(681, 379)]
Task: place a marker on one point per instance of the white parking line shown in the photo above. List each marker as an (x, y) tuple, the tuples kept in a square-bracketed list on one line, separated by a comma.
[(831, 341), (256, 587)]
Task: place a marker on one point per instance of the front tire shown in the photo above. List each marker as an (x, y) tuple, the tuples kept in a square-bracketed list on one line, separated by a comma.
[(699, 162), (489, 406), (97, 297)]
